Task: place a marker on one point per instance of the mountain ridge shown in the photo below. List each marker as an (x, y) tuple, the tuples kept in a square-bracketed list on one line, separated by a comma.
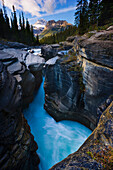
[(52, 27)]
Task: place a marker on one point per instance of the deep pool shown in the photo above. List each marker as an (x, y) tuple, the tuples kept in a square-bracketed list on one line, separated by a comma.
[(55, 140)]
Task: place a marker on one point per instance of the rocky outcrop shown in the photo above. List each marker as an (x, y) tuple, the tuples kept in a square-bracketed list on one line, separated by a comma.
[(8, 44), (81, 81), (26, 68), (17, 145), (66, 45), (49, 51), (64, 92), (60, 23), (97, 151)]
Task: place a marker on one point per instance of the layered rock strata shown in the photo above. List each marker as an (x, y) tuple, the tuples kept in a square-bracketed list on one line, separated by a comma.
[(17, 145), (79, 82)]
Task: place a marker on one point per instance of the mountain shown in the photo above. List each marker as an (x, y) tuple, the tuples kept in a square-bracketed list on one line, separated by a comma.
[(53, 27), (39, 26)]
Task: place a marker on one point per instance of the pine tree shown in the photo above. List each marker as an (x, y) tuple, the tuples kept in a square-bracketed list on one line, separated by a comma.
[(106, 13), (20, 21), (2, 23), (32, 34), (93, 12), (37, 40), (6, 23), (23, 21), (81, 16), (15, 25)]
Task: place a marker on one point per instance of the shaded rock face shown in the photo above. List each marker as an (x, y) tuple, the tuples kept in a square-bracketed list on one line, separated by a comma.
[(49, 52), (7, 44), (17, 145), (64, 93), (97, 148), (72, 93), (19, 63)]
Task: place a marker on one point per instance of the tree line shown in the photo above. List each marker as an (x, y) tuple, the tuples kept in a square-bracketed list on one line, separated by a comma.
[(12, 31), (89, 15), (60, 36)]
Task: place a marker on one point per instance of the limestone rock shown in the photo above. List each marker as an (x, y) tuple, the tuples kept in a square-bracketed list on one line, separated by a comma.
[(52, 61), (66, 45), (8, 44), (75, 86), (34, 59), (49, 51), (17, 145), (17, 62), (36, 70)]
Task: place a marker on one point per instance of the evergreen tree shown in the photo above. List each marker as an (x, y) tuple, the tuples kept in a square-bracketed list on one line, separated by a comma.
[(81, 16), (94, 10), (6, 25), (15, 25), (20, 21), (32, 34), (23, 21), (106, 13), (27, 26), (37, 40), (2, 23), (23, 34)]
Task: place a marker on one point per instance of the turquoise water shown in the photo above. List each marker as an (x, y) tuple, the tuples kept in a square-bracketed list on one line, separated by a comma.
[(55, 140)]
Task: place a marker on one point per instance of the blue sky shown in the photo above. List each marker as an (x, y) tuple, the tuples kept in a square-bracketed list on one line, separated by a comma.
[(46, 9)]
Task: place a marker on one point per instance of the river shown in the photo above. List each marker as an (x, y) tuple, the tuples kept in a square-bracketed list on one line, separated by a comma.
[(56, 140)]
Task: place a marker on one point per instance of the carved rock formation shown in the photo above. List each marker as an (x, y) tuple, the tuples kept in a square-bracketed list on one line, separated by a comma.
[(17, 145)]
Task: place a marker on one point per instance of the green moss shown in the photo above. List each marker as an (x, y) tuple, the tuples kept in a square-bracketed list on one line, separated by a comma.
[(69, 59), (90, 154)]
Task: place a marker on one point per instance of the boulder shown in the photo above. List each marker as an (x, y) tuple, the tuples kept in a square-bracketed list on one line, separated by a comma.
[(52, 61), (17, 53), (34, 59), (36, 70), (28, 84), (49, 52), (15, 67)]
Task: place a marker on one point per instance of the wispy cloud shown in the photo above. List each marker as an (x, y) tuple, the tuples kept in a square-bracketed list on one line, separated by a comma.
[(55, 12), (34, 7)]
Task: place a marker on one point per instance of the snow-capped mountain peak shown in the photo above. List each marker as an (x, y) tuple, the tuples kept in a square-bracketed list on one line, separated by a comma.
[(39, 26), (40, 23)]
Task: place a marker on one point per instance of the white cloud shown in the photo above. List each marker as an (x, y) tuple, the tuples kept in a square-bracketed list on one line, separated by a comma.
[(62, 1), (49, 6), (34, 7), (55, 12)]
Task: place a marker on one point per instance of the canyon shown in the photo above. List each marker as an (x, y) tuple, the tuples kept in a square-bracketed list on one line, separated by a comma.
[(78, 86)]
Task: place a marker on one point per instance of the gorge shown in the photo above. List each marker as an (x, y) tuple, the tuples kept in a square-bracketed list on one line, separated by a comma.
[(78, 86), (55, 140)]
